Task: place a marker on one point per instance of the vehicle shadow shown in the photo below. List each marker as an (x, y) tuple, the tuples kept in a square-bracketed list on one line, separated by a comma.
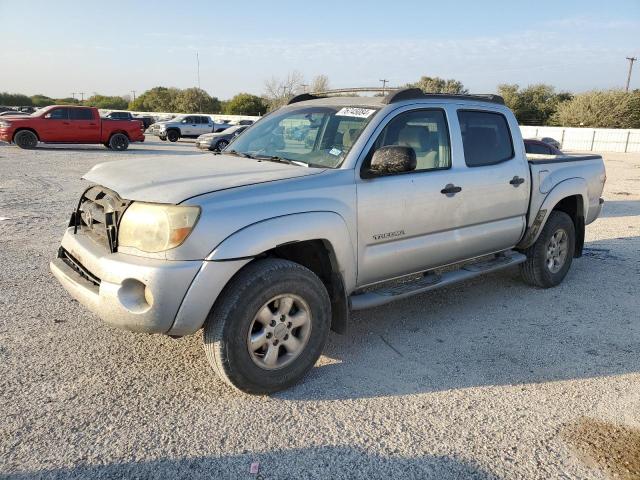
[(492, 330), (308, 463), (621, 208)]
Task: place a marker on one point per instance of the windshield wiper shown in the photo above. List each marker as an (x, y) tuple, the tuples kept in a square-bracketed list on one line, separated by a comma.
[(275, 158), (234, 152)]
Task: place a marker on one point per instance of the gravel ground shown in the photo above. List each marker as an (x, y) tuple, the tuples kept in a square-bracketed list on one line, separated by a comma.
[(495, 379)]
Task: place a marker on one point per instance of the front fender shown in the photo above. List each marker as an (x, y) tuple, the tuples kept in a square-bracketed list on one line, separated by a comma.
[(270, 233), (539, 215)]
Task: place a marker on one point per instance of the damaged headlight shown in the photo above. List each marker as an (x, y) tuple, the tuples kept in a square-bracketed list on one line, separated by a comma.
[(153, 227)]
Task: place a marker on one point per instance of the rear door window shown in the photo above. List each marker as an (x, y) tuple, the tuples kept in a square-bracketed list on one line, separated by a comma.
[(486, 138), (536, 148), (80, 114)]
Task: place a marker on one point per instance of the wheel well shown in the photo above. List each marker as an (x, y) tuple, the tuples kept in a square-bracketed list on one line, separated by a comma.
[(573, 207), (118, 131), (319, 257), (23, 129), (174, 129)]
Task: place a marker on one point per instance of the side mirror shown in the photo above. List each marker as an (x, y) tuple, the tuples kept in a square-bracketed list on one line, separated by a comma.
[(392, 159)]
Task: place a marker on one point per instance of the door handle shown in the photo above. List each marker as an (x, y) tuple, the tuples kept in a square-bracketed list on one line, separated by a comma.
[(450, 190), (92, 124), (66, 123), (516, 181)]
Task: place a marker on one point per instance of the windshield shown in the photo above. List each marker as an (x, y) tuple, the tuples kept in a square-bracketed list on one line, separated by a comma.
[(316, 136)]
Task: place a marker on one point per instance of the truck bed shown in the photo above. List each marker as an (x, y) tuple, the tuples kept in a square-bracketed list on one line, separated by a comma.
[(539, 159)]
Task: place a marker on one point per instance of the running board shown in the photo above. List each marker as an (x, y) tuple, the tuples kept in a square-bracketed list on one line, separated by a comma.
[(432, 281)]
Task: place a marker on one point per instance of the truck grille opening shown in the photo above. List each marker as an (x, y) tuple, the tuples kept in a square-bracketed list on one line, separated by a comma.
[(78, 267), (98, 215)]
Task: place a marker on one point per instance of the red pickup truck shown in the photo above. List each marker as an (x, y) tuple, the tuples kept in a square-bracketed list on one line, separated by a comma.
[(67, 124)]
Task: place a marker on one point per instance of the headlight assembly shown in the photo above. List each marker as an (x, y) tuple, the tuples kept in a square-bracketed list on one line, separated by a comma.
[(153, 227)]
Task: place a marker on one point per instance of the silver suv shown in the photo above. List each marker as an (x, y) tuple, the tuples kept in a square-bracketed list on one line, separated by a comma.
[(324, 206)]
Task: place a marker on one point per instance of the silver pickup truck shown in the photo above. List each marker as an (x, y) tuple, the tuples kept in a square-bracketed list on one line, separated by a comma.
[(324, 206)]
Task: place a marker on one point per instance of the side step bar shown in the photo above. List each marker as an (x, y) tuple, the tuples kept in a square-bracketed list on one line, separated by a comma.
[(432, 281)]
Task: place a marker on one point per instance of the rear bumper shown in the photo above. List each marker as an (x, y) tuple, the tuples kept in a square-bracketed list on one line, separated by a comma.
[(140, 294)]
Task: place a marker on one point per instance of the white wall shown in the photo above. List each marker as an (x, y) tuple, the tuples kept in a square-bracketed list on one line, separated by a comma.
[(588, 139)]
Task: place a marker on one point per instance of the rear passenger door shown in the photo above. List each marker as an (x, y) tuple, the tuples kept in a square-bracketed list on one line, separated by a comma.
[(206, 125), (84, 128), (494, 180)]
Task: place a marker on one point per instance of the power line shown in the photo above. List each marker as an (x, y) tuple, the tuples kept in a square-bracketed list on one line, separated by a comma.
[(631, 60)]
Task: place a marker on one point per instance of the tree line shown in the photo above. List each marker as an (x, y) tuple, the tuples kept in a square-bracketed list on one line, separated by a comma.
[(538, 104)]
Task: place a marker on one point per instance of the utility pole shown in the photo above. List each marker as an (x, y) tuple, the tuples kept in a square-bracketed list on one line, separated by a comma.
[(384, 85), (81, 96), (631, 60), (73, 95), (199, 93), (134, 95), (304, 87)]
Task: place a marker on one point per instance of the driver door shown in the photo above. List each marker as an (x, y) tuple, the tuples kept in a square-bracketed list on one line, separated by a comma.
[(405, 223)]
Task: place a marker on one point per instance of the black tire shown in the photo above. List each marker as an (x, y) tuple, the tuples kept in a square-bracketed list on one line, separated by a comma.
[(26, 139), (119, 142), (536, 270), (164, 139), (221, 145), (107, 145), (226, 331), (173, 135)]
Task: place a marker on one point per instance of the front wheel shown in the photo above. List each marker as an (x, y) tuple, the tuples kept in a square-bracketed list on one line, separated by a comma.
[(268, 327), (173, 136), (26, 139), (119, 142), (221, 145), (549, 259)]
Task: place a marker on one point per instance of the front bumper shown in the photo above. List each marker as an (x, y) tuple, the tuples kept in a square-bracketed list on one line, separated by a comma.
[(204, 145), (140, 294), (5, 135)]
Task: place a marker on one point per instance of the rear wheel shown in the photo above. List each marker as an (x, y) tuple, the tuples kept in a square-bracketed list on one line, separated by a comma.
[(173, 136), (268, 327), (119, 141), (549, 259), (26, 139)]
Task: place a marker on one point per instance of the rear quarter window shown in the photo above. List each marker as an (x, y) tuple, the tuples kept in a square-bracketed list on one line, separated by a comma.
[(486, 138)]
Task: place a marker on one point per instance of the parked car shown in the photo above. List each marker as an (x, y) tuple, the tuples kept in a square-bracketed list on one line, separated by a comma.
[(13, 113), (120, 116), (69, 124), (219, 141), (183, 126), (245, 122), (270, 244), (541, 148), (549, 141), (147, 120)]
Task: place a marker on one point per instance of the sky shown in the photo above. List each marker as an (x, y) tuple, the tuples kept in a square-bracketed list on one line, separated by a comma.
[(57, 47)]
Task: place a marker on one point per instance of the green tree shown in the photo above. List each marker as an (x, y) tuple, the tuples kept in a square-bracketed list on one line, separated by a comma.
[(157, 99), (67, 101), (438, 85), (40, 100), (14, 100), (533, 105), (246, 104), (106, 102), (600, 109), (196, 100)]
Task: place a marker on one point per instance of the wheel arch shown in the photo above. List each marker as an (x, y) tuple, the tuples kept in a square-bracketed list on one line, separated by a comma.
[(321, 242), (22, 129), (569, 196), (124, 132)]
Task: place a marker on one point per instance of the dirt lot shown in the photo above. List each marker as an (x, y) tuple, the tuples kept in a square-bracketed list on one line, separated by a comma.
[(497, 379)]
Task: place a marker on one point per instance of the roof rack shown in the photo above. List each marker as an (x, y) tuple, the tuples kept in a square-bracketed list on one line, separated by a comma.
[(416, 93), (394, 95)]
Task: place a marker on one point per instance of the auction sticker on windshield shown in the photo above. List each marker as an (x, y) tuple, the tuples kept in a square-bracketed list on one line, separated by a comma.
[(355, 112)]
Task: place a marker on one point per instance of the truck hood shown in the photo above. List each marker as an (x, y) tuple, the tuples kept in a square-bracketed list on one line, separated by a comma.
[(173, 179)]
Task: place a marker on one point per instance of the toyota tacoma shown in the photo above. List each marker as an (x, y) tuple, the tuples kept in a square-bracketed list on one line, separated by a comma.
[(270, 244)]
